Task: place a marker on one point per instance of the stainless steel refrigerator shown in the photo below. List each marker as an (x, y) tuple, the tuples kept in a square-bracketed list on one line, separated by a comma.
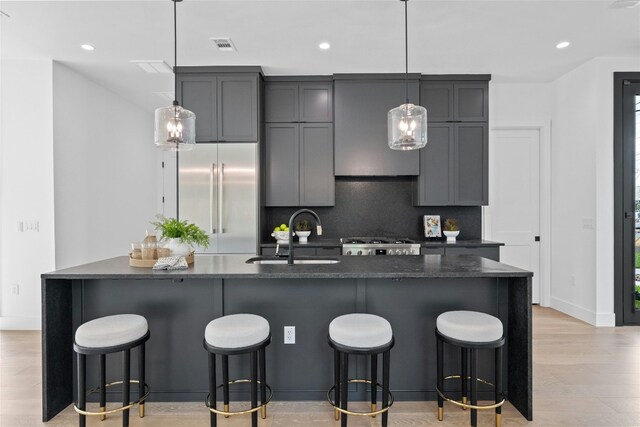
[(218, 191)]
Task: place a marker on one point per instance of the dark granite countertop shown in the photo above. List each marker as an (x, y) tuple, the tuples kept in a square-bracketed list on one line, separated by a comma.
[(234, 266)]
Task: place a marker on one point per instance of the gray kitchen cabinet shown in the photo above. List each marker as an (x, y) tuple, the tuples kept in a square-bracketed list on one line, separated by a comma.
[(317, 182), (282, 164), (299, 164), (198, 94), (238, 108), (492, 252), (453, 166), (289, 102), (226, 106), (434, 186), (281, 102), (466, 101), (360, 119), (471, 164)]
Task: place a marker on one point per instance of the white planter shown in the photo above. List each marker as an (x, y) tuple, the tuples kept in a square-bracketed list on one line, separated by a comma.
[(302, 236), (451, 235), (177, 247)]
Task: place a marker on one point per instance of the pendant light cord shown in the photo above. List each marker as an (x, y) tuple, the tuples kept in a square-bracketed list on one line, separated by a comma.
[(406, 53), (175, 54)]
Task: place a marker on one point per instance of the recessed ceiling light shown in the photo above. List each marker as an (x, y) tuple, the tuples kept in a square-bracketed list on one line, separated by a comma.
[(87, 47), (324, 45), (562, 45)]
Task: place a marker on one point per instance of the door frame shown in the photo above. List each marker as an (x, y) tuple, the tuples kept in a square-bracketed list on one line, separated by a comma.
[(544, 130), (618, 193)]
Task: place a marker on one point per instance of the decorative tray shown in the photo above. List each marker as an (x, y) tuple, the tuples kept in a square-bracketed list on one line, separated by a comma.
[(149, 263)]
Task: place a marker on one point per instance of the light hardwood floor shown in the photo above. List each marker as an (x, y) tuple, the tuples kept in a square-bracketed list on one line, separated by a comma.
[(583, 376)]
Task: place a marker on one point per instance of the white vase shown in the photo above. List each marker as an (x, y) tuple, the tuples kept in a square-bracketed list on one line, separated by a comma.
[(451, 235), (302, 236), (177, 247)]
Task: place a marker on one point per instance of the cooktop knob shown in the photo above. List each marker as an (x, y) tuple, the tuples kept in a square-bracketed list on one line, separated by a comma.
[(369, 252), (391, 252), (406, 252), (348, 252), (359, 252)]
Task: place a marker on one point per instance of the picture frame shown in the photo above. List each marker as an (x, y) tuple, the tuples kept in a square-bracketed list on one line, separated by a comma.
[(432, 227)]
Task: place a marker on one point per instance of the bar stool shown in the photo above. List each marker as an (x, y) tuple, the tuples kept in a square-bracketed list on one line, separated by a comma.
[(471, 331), (233, 335), (360, 334), (102, 336)]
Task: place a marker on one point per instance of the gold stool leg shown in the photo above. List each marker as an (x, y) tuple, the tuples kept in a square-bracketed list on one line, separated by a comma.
[(373, 409), (337, 415), (226, 409), (141, 410), (103, 409), (440, 414), (263, 412), (464, 401), (498, 420)]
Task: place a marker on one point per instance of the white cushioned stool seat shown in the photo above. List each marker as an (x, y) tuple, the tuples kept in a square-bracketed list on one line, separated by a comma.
[(237, 331), (470, 326), (110, 331), (360, 330)]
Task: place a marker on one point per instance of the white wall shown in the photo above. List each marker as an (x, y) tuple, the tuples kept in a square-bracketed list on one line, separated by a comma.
[(582, 196), (520, 104), (105, 170), (26, 188)]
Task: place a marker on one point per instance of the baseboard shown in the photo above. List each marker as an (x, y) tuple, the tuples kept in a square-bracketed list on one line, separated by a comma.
[(591, 317), (574, 310), (20, 323)]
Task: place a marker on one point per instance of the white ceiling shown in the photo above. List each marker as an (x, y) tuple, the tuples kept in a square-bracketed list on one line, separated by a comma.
[(514, 40)]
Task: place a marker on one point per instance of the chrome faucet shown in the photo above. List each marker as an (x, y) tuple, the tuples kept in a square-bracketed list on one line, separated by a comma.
[(293, 217)]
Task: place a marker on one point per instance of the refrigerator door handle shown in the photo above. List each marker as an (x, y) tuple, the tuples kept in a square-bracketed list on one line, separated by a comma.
[(212, 198), (221, 198)]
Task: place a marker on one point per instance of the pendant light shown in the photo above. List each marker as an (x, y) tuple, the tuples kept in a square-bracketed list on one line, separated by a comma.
[(175, 127), (407, 124)]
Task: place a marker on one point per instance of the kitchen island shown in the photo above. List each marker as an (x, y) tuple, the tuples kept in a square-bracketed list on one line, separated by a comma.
[(409, 291)]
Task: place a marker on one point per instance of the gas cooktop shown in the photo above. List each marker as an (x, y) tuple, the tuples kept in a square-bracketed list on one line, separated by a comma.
[(379, 246)]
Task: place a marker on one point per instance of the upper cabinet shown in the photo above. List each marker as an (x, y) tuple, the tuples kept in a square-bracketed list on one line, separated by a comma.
[(454, 164), (287, 102), (447, 101), (226, 105), (299, 144), (361, 107)]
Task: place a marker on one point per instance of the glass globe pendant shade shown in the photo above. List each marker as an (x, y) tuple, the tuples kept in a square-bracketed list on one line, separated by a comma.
[(175, 128), (407, 127)]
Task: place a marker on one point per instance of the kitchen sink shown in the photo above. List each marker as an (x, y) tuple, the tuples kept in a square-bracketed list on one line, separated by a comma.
[(284, 261)]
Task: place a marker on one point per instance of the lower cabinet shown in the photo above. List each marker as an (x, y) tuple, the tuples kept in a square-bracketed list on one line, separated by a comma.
[(299, 164), (298, 251), (490, 252)]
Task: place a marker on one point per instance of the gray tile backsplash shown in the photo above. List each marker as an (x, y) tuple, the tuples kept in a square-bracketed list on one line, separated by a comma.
[(378, 207)]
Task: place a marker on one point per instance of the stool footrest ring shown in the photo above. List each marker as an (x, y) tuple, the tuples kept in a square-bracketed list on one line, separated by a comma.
[(248, 411), (464, 405), (113, 411), (369, 414)]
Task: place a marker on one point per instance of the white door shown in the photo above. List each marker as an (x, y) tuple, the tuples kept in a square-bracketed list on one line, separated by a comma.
[(513, 214)]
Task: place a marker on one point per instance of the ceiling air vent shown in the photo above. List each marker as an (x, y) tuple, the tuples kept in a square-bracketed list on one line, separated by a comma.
[(223, 44), (153, 66)]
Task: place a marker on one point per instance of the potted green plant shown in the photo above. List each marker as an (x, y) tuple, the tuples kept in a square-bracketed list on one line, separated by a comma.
[(451, 230), (180, 236), (303, 230)]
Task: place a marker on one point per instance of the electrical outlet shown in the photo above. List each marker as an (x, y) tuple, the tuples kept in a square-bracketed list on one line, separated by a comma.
[(289, 334), (15, 290)]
